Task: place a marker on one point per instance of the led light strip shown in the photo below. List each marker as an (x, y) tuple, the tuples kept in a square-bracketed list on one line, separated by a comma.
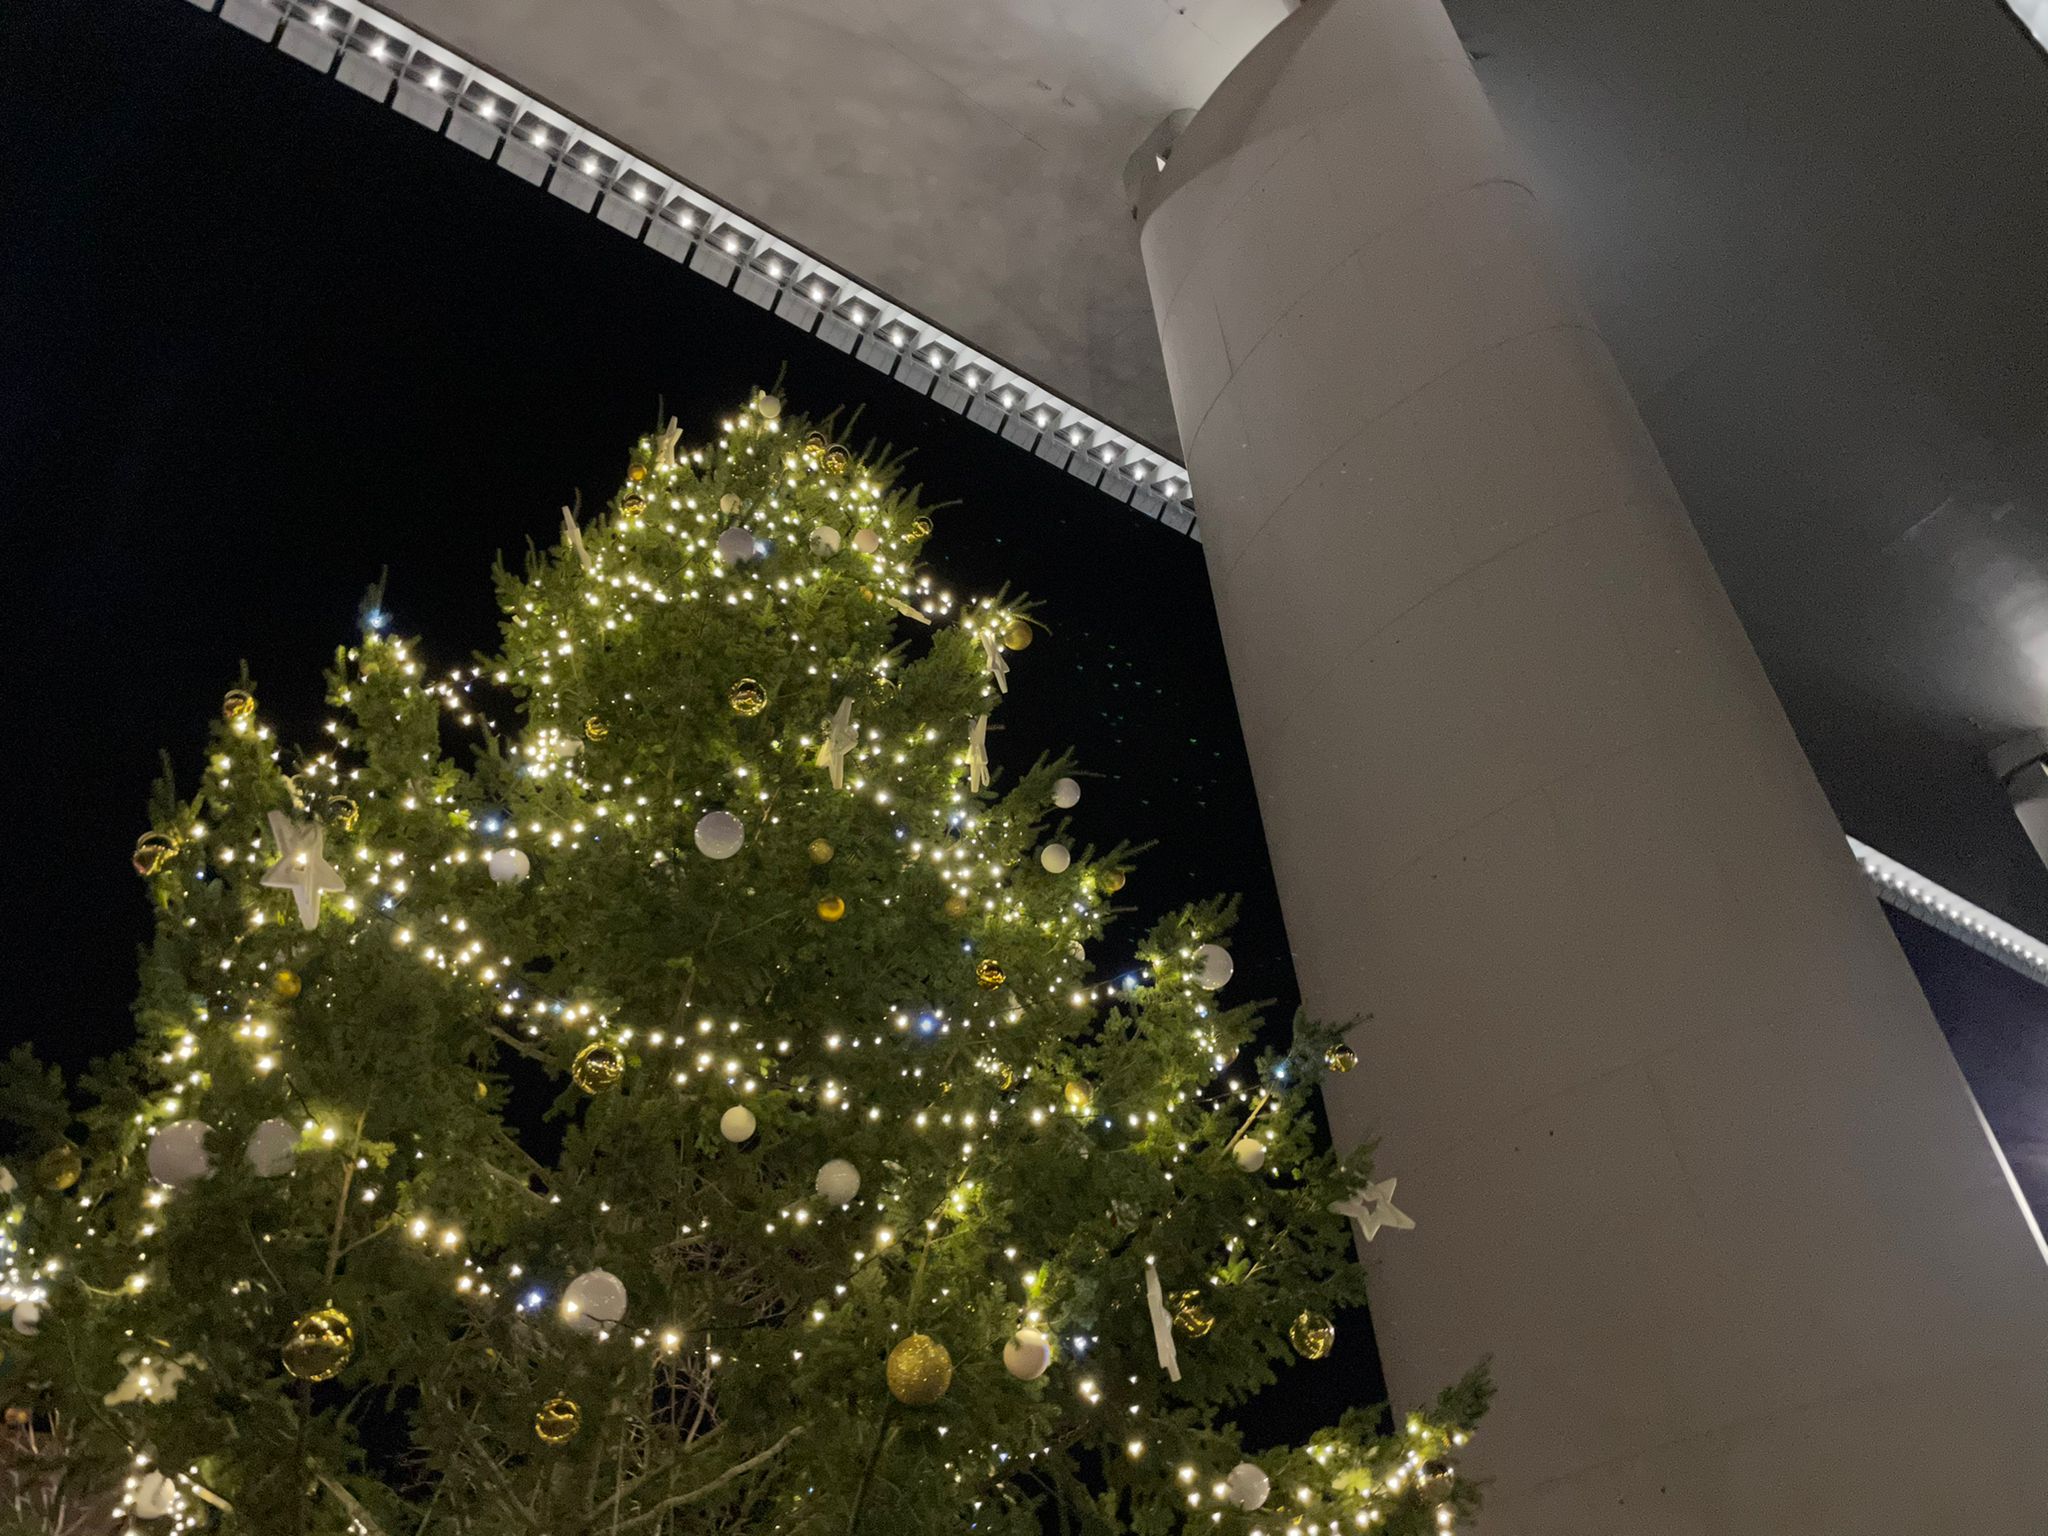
[(1917, 896), (447, 93)]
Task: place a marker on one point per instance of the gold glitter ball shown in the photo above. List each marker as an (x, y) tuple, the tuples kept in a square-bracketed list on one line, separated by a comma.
[(831, 908), (1340, 1057), (814, 445), (1006, 1076), (957, 905), (920, 528), (153, 850), (60, 1167), (747, 698), (594, 728), (557, 1421), (1078, 1096), (821, 851), (919, 1371), (838, 460), (598, 1066), (343, 812), (1312, 1335), (1109, 881), (286, 984), (239, 704), (1017, 636), (319, 1345), (1190, 1316), (637, 473), (989, 974), (633, 504)]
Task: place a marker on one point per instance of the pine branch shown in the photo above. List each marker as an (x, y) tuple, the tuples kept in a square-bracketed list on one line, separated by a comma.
[(681, 1500)]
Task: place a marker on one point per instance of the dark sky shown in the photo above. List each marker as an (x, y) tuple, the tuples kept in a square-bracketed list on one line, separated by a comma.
[(260, 339)]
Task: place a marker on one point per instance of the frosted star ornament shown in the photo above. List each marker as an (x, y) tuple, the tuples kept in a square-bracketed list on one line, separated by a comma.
[(842, 735), (998, 663), (302, 866), (1373, 1208), (1162, 1323), (665, 445), (977, 755), (573, 537)]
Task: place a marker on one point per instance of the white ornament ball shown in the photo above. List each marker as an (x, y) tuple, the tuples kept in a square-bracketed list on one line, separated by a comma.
[(737, 1124), (1213, 967), (1250, 1153), (825, 539), (508, 866), (867, 541), (7, 1184), (1055, 858), (153, 1497), (736, 546), (273, 1148), (838, 1181), (595, 1300), (768, 408), (27, 1317), (719, 834), (1247, 1486), (177, 1152), (1027, 1354), (728, 503), (1066, 794)]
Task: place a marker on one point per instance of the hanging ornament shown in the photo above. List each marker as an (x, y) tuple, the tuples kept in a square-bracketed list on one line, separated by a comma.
[(825, 539), (920, 528), (1055, 858), (60, 1167), (736, 546), (1078, 1096), (572, 535), (319, 1345), (1250, 1153), (838, 1181), (768, 408), (508, 866), (747, 698), (977, 755), (989, 974), (1191, 1315), (238, 704), (153, 850), (1162, 1324), (177, 1152), (342, 812), (272, 1149), (1340, 1057), (737, 1125), (1017, 635), (152, 1496), (636, 473), (814, 445), (286, 984), (958, 906), (1371, 1208), (1246, 1486), (728, 504), (821, 851), (866, 541), (665, 445), (919, 1371), (998, 663), (1027, 1354), (557, 1421), (1066, 793), (842, 735), (831, 908), (594, 1301), (594, 728), (632, 504), (1312, 1335), (719, 834), (598, 1066), (1109, 881), (1213, 967), (26, 1318), (837, 460), (302, 866)]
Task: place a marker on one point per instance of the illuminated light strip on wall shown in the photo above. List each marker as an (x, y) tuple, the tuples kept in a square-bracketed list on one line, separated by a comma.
[(1917, 896), (438, 88)]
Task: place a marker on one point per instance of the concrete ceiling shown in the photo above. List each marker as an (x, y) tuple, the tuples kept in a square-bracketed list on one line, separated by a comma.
[(1814, 235)]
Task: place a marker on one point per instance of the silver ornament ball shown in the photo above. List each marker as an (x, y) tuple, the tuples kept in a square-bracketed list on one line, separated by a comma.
[(719, 834)]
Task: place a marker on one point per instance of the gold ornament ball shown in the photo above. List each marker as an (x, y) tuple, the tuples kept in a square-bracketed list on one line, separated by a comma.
[(286, 984), (831, 908), (837, 459), (637, 473), (319, 1345), (343, 812), (747, 698), (557, 1421), (920, 528), (1109, 881), (239, 704), (594, 728), (1190, 1316), (919, 1371), (989, 974), (1006, 1076), (60, 1167), (957, 905), (814, 444), (1078, 1096), (633, 504), (153, 850), (598, 1066), (821, 851), (1340, 1057), (1017, 636), (1312, 1335)]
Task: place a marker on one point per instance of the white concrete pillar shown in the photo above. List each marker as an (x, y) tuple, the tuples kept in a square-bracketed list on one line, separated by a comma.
[(1688, 1153)]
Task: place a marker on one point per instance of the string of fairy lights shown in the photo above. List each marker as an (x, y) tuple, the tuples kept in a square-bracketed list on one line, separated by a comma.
[(971, 851)]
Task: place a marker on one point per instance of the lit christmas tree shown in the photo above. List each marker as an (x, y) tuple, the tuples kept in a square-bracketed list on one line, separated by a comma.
[(865, 1202)]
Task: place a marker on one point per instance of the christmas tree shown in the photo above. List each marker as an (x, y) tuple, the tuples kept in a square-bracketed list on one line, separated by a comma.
[(660, 1079)]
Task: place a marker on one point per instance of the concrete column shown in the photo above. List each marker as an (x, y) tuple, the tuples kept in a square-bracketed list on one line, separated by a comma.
[(1689, 1155)]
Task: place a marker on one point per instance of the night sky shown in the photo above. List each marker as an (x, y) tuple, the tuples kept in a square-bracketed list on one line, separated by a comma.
[(261, 339)]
